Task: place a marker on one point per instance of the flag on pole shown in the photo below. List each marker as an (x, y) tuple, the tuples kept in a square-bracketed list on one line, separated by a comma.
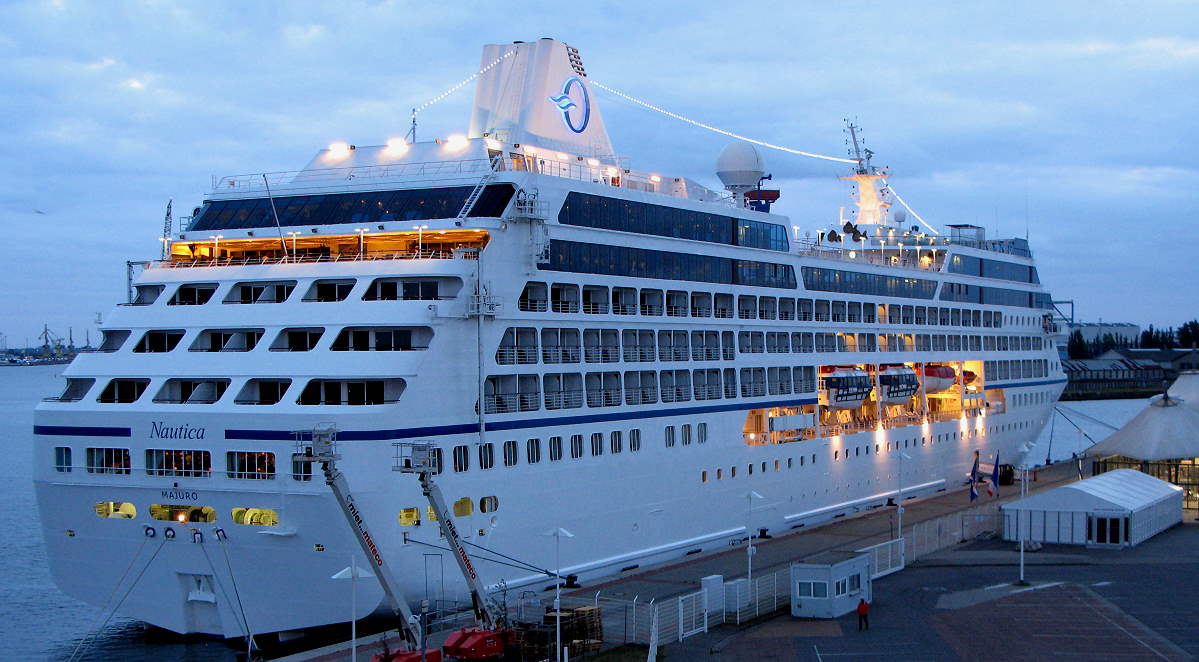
[(993, 488), (974, 479)]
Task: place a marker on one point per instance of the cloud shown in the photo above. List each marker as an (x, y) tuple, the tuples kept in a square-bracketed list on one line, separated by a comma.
[(302, 36)]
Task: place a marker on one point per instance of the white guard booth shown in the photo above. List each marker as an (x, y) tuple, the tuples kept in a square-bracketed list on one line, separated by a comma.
[(829, 585), (1119, 508)]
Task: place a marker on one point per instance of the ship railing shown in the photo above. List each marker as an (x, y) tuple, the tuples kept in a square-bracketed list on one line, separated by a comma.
[(466, 170), (595, 308), (563, 399), (532, 305), (179, 263), (623, 309)]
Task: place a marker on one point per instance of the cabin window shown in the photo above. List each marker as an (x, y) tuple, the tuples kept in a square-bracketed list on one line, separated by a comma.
[(262, 392), (380, 339), (486, 455), (297, 340), (123, 390), (191, 391), (555, 449), (489, 504), (703, 476), (669, 435), (533, 451), (193, 294), (159, 341), (193, 464), (597, 443), (115, 510), (510, 453), (576, 446), (183, 513), (251, 465), (108, 461), (329, 290), (686, 427), (255, 516), (461, 458), (62, 459), (616, 441), (634, 440), (701, 432), (301, 469)]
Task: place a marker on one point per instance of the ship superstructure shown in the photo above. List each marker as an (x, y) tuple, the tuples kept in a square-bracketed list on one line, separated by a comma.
[(627, 355)]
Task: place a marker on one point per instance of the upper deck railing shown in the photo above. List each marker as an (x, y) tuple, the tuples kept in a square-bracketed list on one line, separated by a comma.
[(467, 171), (312, 259)]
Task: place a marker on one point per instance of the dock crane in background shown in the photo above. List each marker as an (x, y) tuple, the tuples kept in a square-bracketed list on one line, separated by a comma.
[(323, 451)]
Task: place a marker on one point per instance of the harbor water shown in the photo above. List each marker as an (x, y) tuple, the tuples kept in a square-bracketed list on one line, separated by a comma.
[(38, 622)]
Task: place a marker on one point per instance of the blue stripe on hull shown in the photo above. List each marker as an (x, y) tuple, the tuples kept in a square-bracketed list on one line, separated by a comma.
[(81, 431)]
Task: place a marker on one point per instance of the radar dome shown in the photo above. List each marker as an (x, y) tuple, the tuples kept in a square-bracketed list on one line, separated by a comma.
[(740, 166)]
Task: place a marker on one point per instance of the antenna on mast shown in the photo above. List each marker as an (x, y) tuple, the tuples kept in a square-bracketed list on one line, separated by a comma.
[(861, 153), (167, 223), (412, 131)]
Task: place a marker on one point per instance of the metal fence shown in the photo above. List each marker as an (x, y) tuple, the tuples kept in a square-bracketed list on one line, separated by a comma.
[(924, 538)]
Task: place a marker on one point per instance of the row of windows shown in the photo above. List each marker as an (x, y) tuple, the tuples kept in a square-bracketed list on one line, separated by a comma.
[(579, 257), (977, 266), (996, 296), (506, 394), (539, 297), (264, 391), (349, 339), (575, 447), (1021, 369), (519, 345), (855, 282), (339, 208), (252, 465), (393, 288), (596, 211)]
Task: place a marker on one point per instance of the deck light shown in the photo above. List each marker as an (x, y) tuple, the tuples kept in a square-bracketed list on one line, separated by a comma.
[(456, 143), (420, 237), (339, 150), (655, 179), (611, 171), (530, 150), (396, 147), (561, 156), (594, 163), (361, 238), (493, 144)]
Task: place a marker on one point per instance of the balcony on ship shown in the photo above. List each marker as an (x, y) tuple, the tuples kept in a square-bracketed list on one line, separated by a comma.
[(311, 246)]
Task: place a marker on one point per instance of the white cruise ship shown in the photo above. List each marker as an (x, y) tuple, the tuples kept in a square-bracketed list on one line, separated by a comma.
[(648, 354)]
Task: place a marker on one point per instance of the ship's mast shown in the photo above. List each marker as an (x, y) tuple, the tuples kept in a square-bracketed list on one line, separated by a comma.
[(869, 196)]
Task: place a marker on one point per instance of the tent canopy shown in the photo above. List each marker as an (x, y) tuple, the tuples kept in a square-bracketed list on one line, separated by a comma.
[(1166, 429), (1186, 387), (1123, 490)]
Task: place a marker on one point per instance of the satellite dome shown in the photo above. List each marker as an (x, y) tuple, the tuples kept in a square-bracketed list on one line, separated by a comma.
[(740, 166)]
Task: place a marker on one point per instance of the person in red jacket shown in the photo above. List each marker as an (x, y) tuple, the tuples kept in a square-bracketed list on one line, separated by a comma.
[(863, 615)]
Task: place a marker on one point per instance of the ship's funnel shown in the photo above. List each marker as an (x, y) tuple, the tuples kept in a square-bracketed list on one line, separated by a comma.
[(539, 95)]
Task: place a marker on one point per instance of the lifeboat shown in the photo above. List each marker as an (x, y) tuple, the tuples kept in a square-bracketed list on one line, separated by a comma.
[(938, 378), (848, 388), (897, 384)]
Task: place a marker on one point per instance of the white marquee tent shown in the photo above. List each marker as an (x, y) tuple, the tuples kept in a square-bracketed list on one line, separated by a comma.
[(1118, 508), (1166, 429)]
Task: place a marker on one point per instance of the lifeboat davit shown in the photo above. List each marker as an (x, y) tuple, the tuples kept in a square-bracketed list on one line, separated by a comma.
[(848, 388), (938, 378), (897, 384)]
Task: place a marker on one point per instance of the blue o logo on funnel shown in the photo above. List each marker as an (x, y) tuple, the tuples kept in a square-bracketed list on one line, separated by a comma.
[(565, 103)]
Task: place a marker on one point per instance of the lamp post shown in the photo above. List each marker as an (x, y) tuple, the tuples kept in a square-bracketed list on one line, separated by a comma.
[(558, 534), (420, 238), (352, 573), (749, 547), (216, 244), (166, 247), (361, 239)]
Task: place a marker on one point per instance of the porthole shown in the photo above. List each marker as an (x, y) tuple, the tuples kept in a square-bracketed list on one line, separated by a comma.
[(255, 516), (489, 504), (183, 513)]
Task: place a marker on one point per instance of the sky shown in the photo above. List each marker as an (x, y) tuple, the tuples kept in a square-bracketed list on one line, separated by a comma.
[(1071, 122)]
